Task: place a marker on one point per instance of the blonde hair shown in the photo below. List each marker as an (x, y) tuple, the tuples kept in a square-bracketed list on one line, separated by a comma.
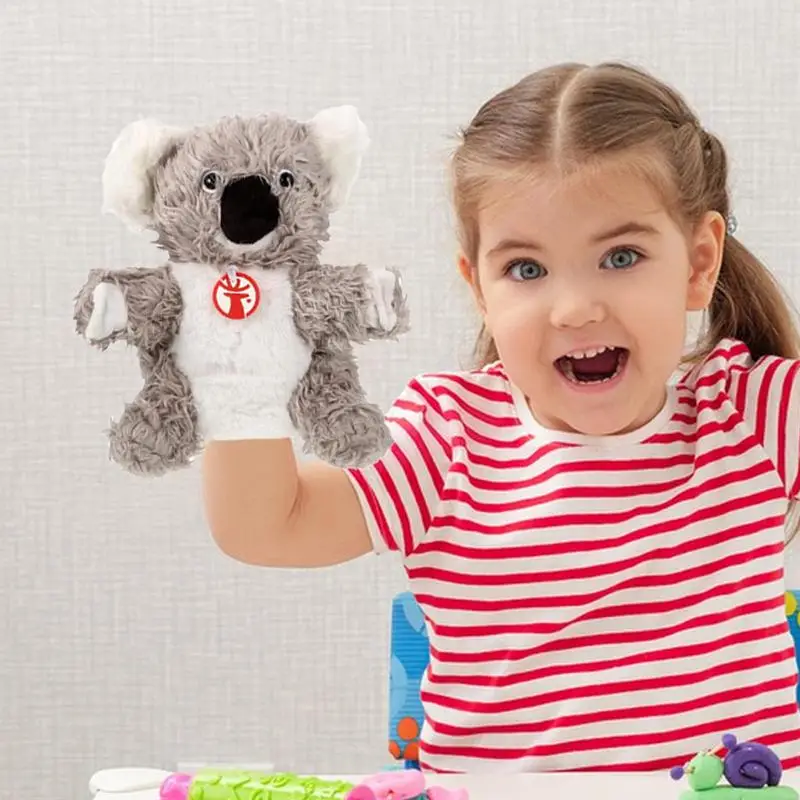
[(572, 116)]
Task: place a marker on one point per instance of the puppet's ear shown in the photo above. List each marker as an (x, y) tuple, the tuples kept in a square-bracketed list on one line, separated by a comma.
[(130, 168), (343, 139)]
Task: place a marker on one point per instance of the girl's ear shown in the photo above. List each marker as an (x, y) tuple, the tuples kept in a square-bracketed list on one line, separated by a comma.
[(470, 274), (705, 259)]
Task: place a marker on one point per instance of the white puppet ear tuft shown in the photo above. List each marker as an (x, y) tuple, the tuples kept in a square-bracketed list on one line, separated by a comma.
[(129, 168), (343, 139)]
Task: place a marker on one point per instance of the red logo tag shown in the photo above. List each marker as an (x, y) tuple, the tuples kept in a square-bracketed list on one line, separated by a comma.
[(236, 295)]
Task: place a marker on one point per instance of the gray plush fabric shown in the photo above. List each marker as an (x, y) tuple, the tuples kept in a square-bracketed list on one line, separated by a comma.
[(158, 430)]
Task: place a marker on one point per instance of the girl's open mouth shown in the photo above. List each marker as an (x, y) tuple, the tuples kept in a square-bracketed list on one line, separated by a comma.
[(594, 367)]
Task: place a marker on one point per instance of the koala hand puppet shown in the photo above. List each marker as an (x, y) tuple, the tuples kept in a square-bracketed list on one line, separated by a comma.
[(243, 332)]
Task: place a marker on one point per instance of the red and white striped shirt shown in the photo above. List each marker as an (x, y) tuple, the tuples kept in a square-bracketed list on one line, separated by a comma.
[(597, 603)]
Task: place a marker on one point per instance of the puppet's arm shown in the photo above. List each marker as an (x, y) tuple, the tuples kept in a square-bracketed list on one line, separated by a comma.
[(141, 306), (349, 302)]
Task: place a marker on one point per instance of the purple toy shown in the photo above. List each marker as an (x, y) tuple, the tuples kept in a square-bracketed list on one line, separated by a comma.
[(750, 765)]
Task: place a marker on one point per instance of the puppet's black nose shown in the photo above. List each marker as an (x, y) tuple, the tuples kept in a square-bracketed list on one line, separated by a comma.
[(249, 210)]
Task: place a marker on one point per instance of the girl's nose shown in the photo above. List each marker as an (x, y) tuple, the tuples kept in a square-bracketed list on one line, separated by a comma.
[(576, 307)]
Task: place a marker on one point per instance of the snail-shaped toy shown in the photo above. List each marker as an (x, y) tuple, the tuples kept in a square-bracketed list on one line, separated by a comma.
[(748, 767)]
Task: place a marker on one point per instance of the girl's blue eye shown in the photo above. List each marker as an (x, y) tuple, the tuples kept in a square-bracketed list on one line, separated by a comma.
[(525, 270), (624, 258)]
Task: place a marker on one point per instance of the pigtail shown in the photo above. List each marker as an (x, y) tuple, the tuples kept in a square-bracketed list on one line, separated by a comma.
[(749, 305)]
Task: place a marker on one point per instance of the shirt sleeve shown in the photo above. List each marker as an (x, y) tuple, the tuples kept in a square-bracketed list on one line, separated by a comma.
[(770, 395), (400, 492)]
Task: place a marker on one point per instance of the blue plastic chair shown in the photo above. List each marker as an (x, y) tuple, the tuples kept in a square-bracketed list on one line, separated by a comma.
[(410, 653), (793, 616)]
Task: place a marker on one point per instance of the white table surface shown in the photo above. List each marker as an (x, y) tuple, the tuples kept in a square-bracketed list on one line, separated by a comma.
[(539, 786)]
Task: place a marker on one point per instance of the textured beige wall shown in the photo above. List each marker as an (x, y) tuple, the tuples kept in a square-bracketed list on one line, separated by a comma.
[(126, 637)]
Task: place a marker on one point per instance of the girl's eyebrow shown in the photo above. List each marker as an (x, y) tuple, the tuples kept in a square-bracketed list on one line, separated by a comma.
[(619, 230), (624, 229)]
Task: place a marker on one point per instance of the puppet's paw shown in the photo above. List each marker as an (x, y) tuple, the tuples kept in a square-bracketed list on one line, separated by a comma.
[(354, 437), (382, 311), (153, 440), (109, 313)]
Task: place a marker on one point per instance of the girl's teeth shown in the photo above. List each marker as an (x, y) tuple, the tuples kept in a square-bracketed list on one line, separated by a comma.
[(589, 353), (567, 367)]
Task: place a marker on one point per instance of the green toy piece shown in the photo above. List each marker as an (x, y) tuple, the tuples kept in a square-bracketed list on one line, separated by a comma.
[(704, 772), (223, 785), (752, 771)]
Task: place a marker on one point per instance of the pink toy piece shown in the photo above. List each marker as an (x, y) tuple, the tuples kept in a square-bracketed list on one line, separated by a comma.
[(403, 785), (361, 792), (175, 787), (440, 793)]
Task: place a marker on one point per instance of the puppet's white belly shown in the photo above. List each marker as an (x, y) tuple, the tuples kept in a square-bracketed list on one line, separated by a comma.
[(242, 371)]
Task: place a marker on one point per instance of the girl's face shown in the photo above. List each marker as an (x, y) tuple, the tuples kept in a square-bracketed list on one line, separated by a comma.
[(584, 284)]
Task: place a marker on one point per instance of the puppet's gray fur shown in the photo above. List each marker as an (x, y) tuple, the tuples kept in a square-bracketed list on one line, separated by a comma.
[(158, 431)]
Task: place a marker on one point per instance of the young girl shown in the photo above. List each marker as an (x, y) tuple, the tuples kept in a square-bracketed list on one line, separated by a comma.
[(598, 550)]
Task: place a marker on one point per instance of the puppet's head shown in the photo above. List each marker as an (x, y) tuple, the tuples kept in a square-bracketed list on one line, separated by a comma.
[(254, 190)]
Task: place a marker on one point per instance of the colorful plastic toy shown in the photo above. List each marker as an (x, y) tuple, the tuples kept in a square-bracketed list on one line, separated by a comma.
[(750, 768), (149, 784)]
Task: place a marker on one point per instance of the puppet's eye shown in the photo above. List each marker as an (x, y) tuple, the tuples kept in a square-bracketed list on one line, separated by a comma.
[(211, 181), (286, 179)]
